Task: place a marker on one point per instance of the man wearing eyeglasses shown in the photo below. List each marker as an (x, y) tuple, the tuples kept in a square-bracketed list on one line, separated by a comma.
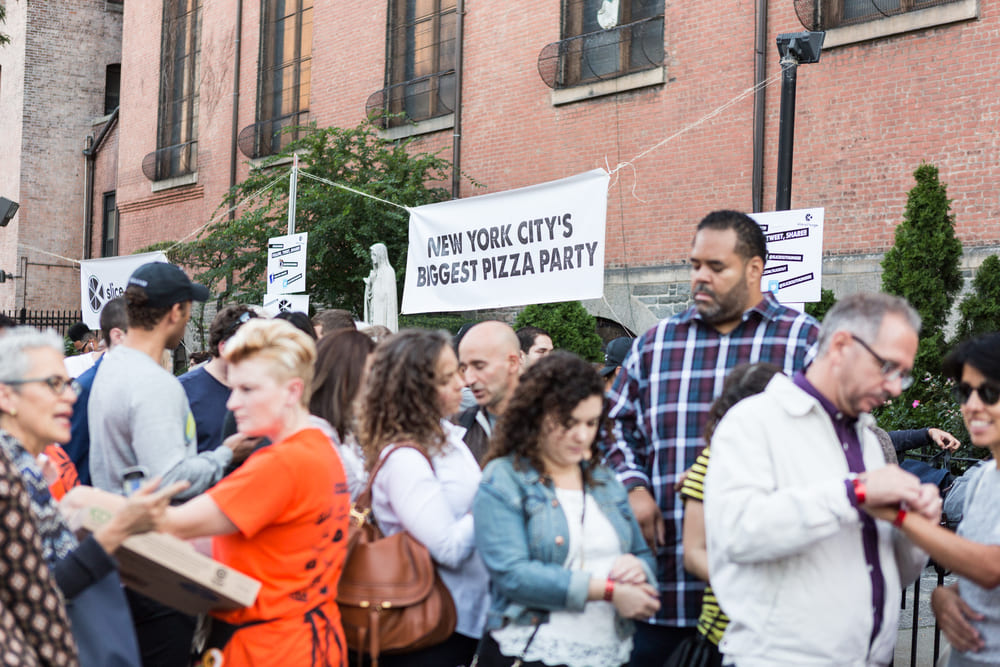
[(206, 387), (804, 573)]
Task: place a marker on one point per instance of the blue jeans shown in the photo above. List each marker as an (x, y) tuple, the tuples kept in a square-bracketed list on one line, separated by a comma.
[(653, 644)]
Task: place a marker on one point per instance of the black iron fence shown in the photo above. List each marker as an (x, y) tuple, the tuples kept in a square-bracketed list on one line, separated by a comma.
[(60, 320)]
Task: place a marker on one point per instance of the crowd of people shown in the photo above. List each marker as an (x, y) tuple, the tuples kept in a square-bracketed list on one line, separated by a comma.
[(575, 513)]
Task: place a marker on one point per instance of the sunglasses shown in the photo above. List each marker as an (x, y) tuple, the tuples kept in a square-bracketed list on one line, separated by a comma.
[(57, 383), (989, 393)]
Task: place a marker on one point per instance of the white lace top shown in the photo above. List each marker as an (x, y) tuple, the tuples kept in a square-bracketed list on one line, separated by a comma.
[(577, 639)]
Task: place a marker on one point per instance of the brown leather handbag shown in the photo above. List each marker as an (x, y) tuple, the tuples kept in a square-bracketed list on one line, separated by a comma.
[(390, 596)]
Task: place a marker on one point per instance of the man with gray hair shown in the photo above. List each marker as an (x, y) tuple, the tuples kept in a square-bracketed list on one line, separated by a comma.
[(804, 573)]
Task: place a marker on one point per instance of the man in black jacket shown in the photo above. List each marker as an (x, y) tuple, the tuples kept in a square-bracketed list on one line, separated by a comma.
[(490, 358)]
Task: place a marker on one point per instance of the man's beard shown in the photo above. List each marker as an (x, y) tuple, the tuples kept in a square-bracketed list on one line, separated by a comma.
[(725, 307)]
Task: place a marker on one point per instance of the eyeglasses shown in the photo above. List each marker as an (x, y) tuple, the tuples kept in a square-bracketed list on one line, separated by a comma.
[(989, 393), (57, 383), (890, 370)]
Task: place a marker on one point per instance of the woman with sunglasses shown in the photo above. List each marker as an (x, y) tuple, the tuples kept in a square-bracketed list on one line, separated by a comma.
[(969, 611), (36, 403)]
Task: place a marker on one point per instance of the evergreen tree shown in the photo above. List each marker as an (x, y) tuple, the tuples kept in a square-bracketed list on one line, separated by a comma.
[(923, 265), (569, 324), (979, 312)]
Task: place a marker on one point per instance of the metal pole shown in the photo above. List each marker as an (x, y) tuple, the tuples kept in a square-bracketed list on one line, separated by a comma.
[(456, 139), (786, 133), (293, 186)]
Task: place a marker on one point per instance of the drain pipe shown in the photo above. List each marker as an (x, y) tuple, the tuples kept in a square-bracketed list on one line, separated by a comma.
[(88, 194), (236, 99), (759, 75), (456, 139), (92, 146)]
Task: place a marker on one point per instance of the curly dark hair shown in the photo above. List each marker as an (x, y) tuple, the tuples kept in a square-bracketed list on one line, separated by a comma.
[(400, 399), (226, 322), (552, 386), (743, 381), (140, 314), (340, 367)]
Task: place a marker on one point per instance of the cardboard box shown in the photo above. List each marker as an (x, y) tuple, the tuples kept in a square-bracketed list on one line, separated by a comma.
[(164, 567)]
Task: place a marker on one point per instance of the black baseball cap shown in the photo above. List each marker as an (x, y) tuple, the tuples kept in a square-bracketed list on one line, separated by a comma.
[(166, 284), (615, 353)]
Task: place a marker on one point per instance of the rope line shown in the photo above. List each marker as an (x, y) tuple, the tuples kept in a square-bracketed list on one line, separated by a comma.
[(229, 210), (746, 93), (350, 189)]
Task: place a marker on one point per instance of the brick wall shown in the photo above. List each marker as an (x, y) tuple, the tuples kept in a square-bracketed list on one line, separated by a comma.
[(67, 46), (867, 115)]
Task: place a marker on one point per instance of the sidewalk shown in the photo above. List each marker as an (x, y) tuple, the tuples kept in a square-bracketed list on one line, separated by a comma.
[(925, 624)]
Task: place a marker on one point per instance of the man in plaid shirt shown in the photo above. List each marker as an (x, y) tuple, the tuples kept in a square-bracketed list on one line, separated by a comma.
[(668, 381)]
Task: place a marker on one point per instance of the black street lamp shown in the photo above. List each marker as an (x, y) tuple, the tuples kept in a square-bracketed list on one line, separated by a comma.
[(795, 48)]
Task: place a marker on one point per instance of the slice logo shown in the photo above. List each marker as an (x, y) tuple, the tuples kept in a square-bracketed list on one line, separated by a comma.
[(99, 294), (95, 294)]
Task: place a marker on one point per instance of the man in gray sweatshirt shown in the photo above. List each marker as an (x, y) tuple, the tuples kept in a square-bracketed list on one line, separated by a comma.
[(140, 421)]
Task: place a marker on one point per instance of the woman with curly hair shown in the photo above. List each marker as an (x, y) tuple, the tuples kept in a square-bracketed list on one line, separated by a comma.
[(413, 385), (568, 564)]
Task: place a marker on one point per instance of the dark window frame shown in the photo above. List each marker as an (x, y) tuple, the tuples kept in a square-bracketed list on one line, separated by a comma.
[(180, 76), (282, 103), (588, 53), (421, 56), (844, 13), (109, 224), (112, 87)]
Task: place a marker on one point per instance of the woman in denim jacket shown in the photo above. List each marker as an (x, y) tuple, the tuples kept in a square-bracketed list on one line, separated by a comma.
[(567, 560)]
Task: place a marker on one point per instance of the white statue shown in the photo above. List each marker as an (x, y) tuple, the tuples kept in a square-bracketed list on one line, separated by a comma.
[(380, 291)]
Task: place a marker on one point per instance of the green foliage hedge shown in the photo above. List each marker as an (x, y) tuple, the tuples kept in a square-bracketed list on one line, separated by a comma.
[(570, 325)]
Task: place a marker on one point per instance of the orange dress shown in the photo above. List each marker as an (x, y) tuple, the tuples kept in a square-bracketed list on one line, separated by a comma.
[(291, 505)]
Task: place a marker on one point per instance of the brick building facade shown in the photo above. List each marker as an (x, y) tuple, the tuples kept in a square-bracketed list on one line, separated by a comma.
[(910, 82), (58, 83)]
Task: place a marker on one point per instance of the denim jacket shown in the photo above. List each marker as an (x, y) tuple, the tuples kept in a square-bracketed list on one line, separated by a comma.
[(522, 536)]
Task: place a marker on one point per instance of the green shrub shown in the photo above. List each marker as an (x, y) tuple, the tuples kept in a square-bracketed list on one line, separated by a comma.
[(979, 312), (448, 321), (569, 324), (820, 308), (923, 264)]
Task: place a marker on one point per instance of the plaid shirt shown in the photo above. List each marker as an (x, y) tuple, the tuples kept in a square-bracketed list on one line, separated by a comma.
[(659, 404)]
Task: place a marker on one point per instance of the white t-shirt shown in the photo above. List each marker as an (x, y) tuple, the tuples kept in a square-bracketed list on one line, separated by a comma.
[(576, 638)]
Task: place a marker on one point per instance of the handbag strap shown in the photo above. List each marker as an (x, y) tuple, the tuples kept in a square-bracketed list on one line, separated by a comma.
[(363, 503)]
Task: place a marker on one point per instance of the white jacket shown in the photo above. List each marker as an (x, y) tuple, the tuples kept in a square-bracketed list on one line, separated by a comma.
[(784, 542)]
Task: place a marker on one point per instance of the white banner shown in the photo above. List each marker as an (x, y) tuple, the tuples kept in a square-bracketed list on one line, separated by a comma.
[(103, 279), (286, 263), (539, 244), (279, 303), (794, 269)]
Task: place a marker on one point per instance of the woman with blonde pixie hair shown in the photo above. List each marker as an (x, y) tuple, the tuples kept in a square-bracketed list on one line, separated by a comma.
[(282, 517)]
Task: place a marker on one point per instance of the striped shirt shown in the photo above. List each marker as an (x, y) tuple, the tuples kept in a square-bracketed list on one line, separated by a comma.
[(712, 622), (659, 403)]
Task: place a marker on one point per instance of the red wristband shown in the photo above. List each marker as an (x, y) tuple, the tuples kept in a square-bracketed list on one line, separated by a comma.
[(860, 493), (609, 590), (900, 517)]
